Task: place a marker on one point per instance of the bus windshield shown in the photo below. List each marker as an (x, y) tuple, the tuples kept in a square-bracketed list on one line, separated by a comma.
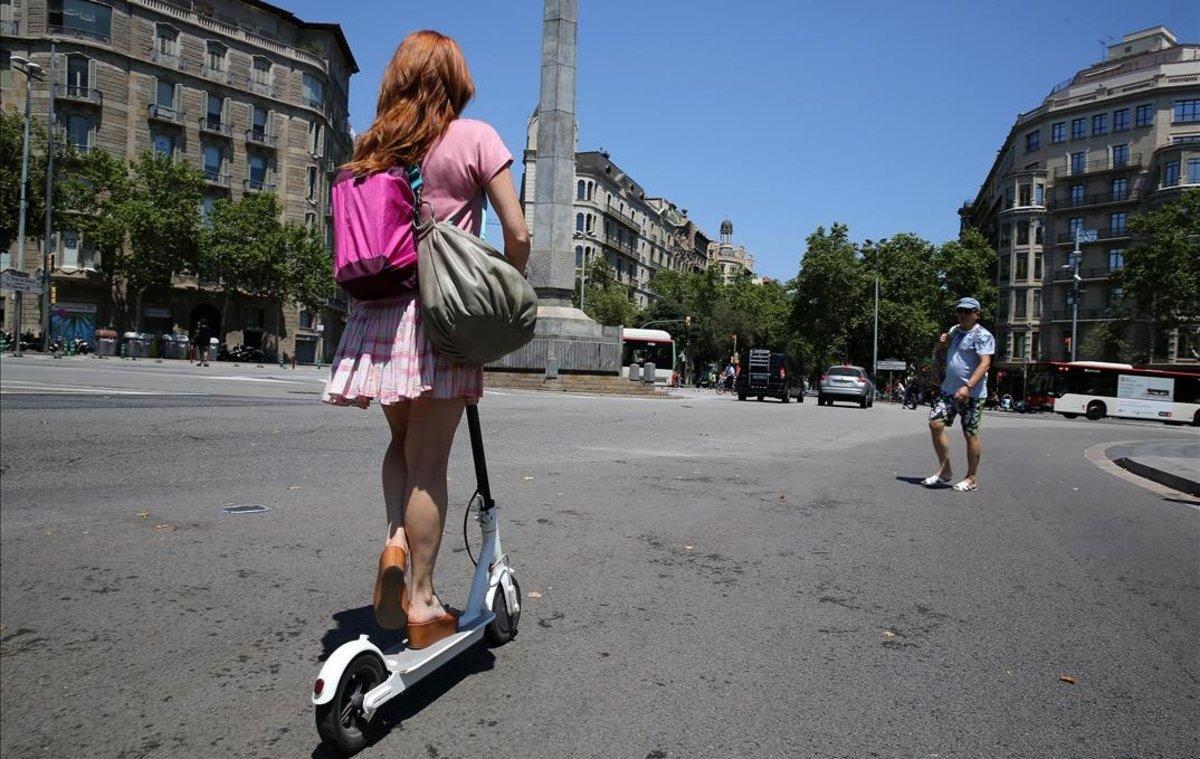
[(662, 355)]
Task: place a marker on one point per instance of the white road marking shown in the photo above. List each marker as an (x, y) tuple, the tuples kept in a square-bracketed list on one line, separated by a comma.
[(31, 389)]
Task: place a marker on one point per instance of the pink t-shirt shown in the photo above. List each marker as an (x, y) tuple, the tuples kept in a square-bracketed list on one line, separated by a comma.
[(457, 169)]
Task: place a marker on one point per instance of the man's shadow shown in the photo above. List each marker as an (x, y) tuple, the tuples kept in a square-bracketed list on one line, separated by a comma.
[(920, 481), (354, 622)]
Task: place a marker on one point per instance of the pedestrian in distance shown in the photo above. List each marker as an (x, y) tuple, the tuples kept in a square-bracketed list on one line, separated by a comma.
[(384, 354), (965, 352), (201, 340)]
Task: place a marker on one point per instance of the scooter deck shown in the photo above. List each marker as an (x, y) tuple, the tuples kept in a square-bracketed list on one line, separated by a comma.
[(408, 666)]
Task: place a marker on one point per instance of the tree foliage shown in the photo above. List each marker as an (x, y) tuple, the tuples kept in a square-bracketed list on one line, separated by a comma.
[(12, 138), (604, 298)]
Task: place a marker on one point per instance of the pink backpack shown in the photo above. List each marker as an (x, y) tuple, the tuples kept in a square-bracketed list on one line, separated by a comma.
[(374, 239)]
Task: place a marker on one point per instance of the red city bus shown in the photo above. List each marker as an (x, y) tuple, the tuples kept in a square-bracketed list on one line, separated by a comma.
[(1097, 389)]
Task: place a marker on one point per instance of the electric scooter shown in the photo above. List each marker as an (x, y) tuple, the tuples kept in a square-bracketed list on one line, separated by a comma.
[(359, 678)]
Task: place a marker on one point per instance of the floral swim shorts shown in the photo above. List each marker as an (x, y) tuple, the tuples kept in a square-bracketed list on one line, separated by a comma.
[(946, 407)]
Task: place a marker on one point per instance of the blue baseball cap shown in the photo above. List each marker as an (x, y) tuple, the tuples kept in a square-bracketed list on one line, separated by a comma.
[(970, 303)]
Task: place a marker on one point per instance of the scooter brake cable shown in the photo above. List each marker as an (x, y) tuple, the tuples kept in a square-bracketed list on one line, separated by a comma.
[(466, 516)]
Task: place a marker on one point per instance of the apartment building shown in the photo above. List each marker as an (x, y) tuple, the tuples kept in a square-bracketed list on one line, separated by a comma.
[(732, 259), (245, 91), (1116, 139), (637, 234)]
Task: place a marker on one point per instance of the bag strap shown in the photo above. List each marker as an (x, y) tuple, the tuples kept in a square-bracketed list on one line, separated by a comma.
[(415, 183)]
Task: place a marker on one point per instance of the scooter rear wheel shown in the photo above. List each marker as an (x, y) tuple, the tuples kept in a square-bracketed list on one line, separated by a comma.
[(503, 628), (340, 722)]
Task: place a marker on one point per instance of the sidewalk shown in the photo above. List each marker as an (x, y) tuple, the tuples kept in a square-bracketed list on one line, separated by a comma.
[(1173, 463)]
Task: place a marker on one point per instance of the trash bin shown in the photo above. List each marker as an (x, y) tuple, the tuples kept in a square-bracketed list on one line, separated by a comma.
[(173, 346), (648, 373), (635, 373), (138, 344), (106, 342)]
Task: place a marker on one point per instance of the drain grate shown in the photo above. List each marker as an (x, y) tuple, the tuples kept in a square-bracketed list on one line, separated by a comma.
[(246, 508)]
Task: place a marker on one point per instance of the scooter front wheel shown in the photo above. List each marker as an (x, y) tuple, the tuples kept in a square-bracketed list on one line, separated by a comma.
[(341, 722), (503, 628)]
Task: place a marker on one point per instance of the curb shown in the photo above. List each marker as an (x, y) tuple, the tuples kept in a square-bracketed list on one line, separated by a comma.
[(1173, 481)]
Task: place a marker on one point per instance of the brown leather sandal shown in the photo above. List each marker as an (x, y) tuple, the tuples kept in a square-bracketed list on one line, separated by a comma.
[(391, 596), (425, 634)]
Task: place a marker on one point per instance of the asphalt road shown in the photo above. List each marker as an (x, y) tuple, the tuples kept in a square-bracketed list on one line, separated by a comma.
[(703, 578)]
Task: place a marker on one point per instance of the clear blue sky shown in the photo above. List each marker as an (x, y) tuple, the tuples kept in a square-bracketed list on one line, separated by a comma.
[(781, 116)]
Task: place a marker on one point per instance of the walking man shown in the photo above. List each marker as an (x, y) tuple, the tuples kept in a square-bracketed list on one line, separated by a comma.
[(966, 351), (202, 340)]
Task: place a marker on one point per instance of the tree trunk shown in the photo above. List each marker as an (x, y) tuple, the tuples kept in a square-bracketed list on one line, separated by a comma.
[(279, 332), (137, 316), (120, 300)]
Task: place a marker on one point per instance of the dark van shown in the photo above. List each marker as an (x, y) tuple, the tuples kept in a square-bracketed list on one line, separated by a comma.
[(765, 374)]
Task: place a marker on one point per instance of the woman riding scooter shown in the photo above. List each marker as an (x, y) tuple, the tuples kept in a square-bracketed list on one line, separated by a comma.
[(384, 354)]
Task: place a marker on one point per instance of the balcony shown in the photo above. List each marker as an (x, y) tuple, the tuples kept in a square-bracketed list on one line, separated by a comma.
[(1098, 166), (83, 34), (260, 87), (166, 60), (628, 221), (311, 102), (216, 126), (215, 178), (1085, 314), (258, 185), (165, 114), (1111, 233), (10, 28), (260, 137), (1098, 199), (78, 94), (1091, 272), (616, 243), (218, 75)]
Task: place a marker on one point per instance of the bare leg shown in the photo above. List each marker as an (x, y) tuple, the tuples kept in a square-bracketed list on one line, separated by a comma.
[(974, 450), (941, 446), (427, 443), (395, 474)]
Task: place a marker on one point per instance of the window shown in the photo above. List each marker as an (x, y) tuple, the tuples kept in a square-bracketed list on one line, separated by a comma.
[(310, 220), (1019, 337), (1144, 116), (1039, 194), (1076, 226), (1121, 120), (1037, 264), (1037, 302), (1022, 233), (306, 319), (1120, 189), (580, 190), (79, 131), (164, 144), (166, 40), (78, 75), (1116, 222), (1022, 267), (214, 57), (1079, 162), (1116, 259), (311, 183), (206, 209), (1037, 234), (213, 158), (1020, 304), (76, 252), (1116, 295), (1193, 171), (1023, 195), (1120, 155), (258, 169), (1100, 124), (164, 94), (1034, 352), (312, 91), (214, 115), (1005, 268), (85, 18), (578, 222), (1033, 141), (1058, 132), (578, 255), (1009, 197), (1077, 194), (260, 72), (1187, 110), (315, 143), (1078, 129), (1170, 174), (258, 122)]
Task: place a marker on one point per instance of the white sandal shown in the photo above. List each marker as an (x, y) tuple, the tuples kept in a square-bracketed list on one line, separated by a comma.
[(966, 486), (935, 479)]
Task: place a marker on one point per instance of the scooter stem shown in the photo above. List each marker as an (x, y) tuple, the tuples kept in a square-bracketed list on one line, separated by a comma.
[(481, 475)]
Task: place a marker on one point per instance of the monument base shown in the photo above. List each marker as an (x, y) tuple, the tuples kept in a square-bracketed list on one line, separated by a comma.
[(566, 340)]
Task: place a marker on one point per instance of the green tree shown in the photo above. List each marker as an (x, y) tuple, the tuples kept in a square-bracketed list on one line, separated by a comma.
[(911, 303), (65, 189), (831, 308), (238, 241), (967, 267), (605, 299), (1106, 341), (1162, 269)]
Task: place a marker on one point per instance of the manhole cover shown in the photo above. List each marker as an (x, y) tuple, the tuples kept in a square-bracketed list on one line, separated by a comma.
[(248, 508)]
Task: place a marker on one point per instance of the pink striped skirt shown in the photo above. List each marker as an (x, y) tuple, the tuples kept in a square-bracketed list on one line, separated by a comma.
[(384, 355)]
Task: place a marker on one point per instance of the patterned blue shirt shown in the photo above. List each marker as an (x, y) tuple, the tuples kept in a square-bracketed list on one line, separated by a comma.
[(963, 357)]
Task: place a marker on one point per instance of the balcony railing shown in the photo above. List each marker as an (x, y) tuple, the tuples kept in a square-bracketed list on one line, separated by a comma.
[(312, 102), (1098, 165), (216, 126), (259, 185), (1091, 272), (165, 113), (10, 28), (1085, 314), (1096, 199), (615, 242), (216, 178), (261, 88), (169, 60), (1111, 233), (78, 93), (218, 75), (259, 137), (612, 210), (83, 34)]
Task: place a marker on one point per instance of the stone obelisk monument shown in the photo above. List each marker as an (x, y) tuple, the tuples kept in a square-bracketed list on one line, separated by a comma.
[(566, 338)]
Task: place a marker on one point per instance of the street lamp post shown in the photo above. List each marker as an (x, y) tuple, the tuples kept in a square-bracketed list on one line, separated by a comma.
[(51, 146), (31, 71), (875, 332), (1075, 292)]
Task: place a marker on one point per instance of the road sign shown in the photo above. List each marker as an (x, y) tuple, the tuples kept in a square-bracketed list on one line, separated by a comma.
[(890, 365), (19, 281), (1087, 235)]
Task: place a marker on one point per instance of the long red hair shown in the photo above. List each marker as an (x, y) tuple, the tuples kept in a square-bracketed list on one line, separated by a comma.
[(426, 86)]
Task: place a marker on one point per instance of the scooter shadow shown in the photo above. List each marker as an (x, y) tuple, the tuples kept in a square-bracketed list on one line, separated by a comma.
[(354, 622)]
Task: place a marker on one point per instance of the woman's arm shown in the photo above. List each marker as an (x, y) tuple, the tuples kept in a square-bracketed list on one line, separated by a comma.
[(503, 196)]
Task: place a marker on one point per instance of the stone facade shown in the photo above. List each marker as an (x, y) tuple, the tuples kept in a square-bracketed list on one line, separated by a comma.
[(1116, 139), (245, 91), (731, 258)]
